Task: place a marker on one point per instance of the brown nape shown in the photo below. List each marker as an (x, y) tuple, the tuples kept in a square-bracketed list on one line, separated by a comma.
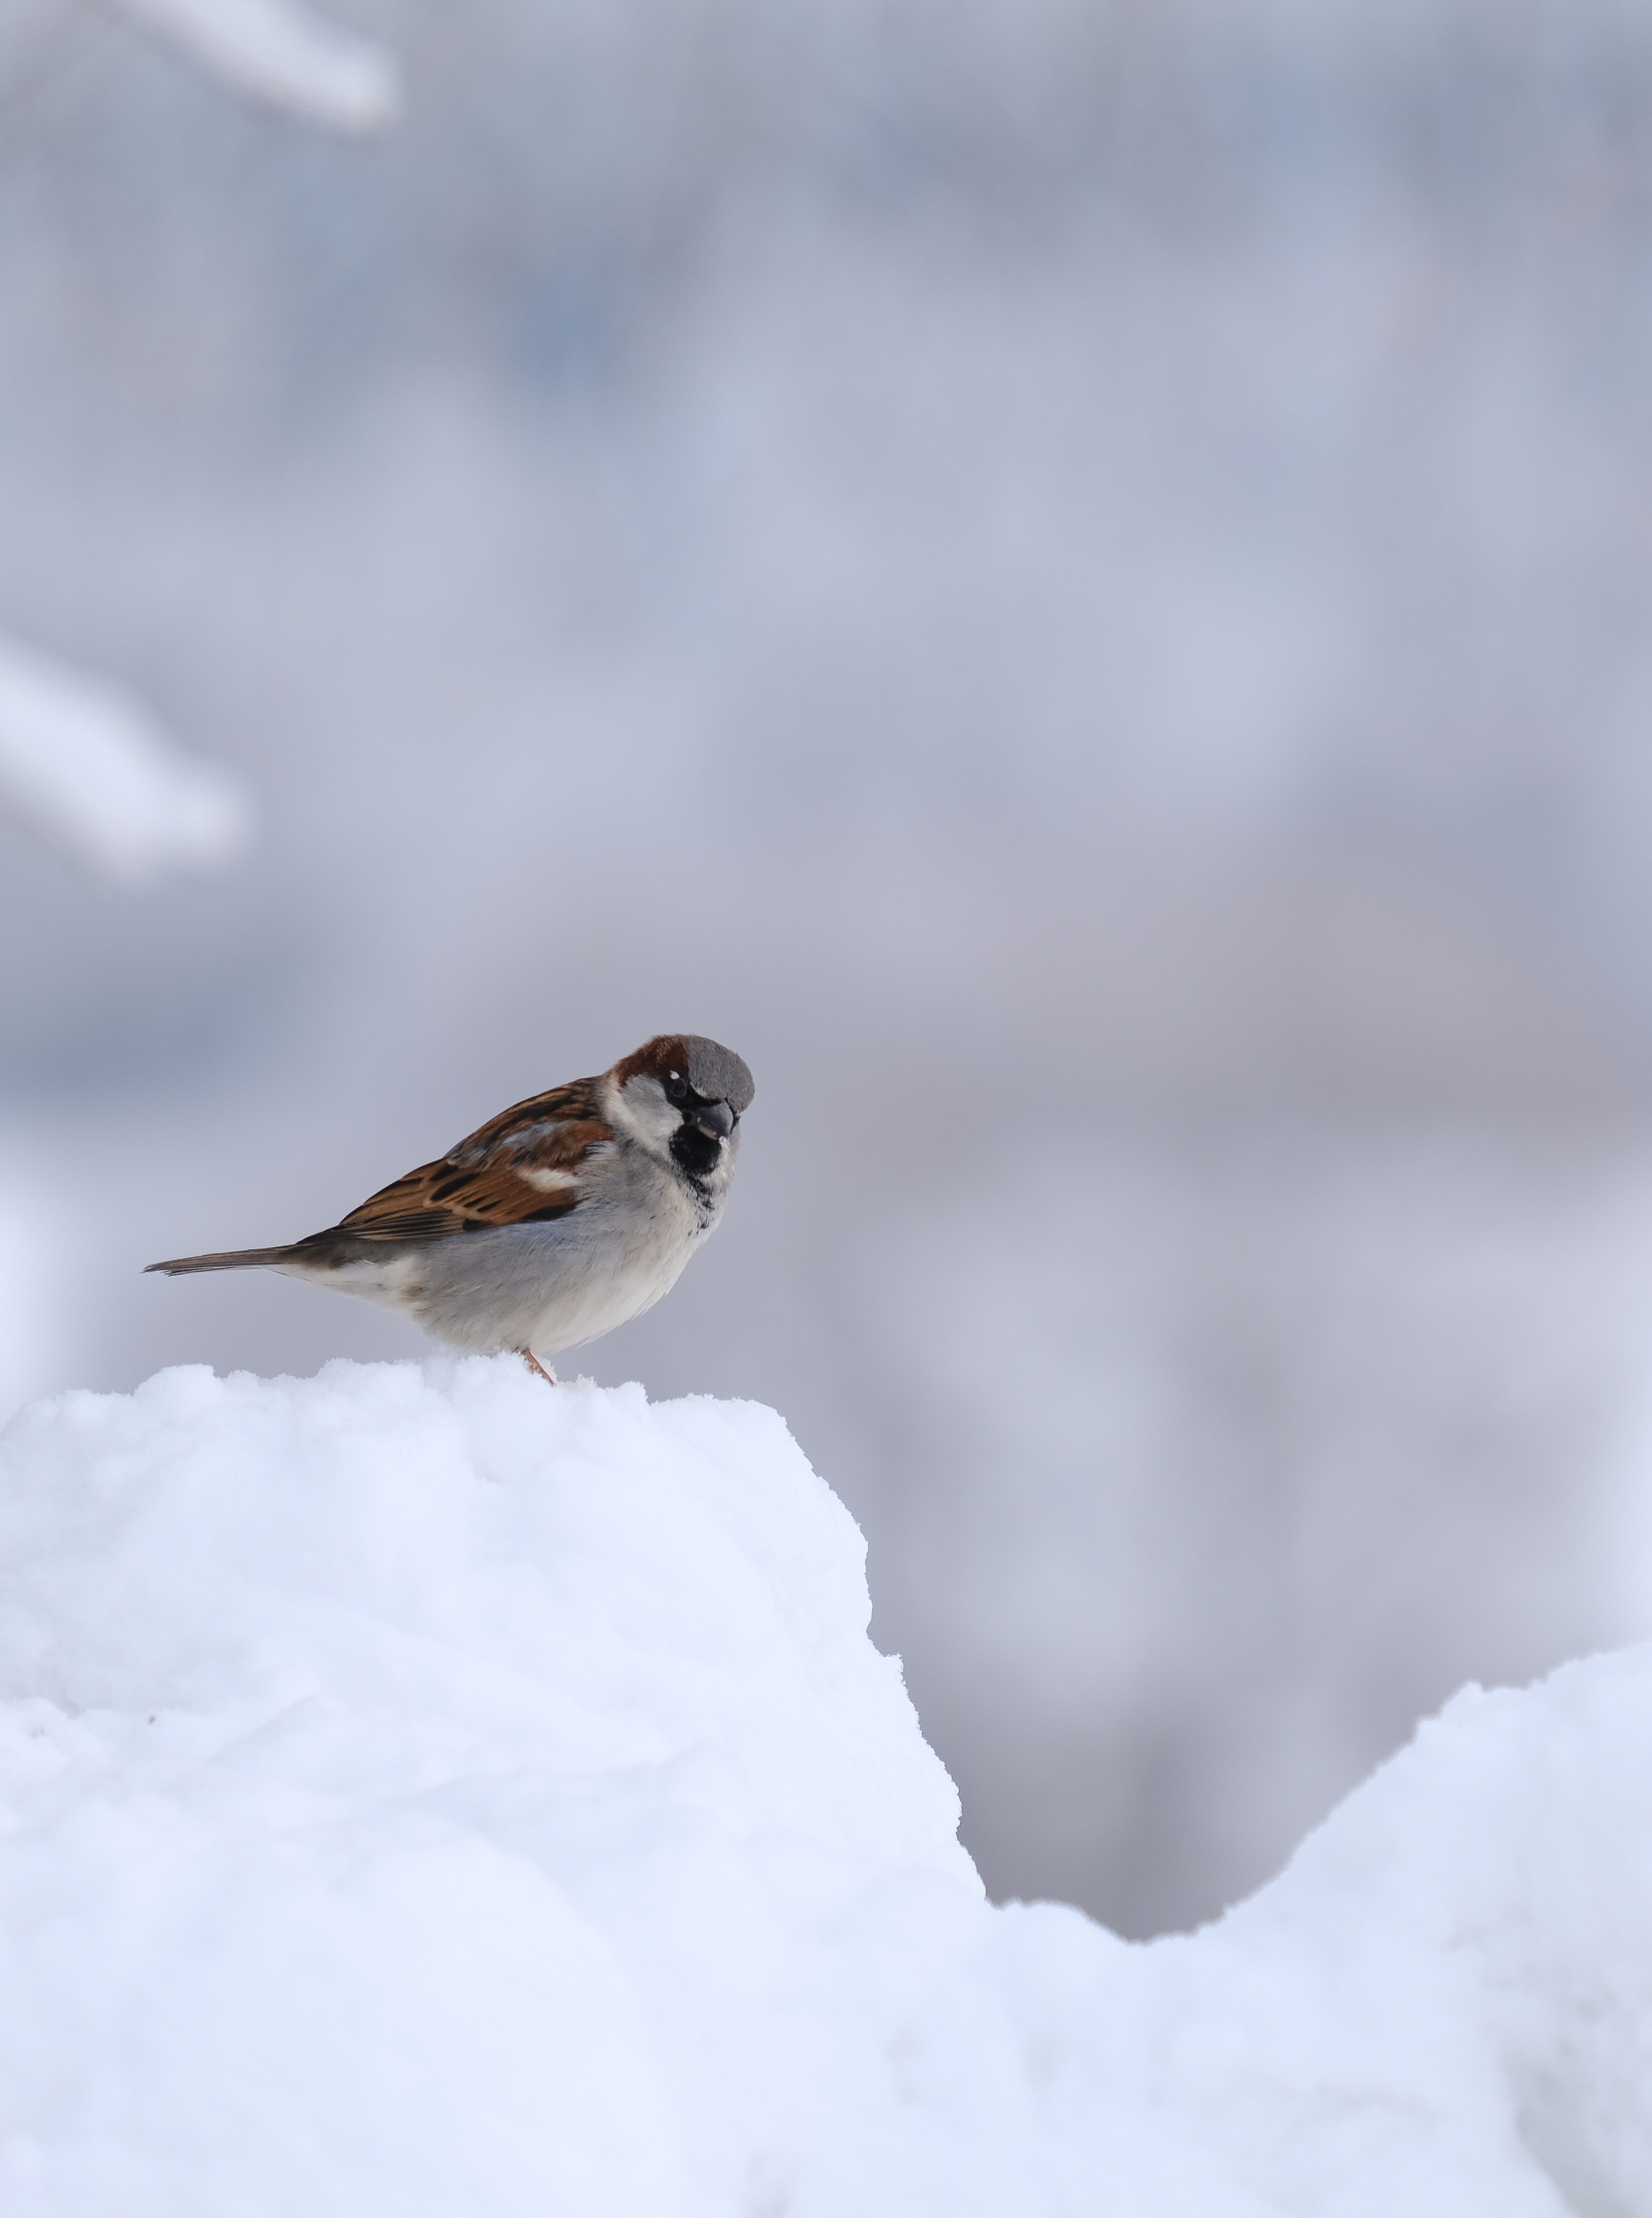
[(656, 1058)]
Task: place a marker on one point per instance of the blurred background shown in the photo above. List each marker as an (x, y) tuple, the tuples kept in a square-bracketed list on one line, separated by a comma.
[(1071, 577)]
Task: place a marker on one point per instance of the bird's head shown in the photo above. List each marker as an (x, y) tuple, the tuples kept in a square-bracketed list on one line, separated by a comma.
[(682, 1097)]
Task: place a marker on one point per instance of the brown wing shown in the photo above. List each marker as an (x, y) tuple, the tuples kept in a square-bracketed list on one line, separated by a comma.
[(520, 1167)]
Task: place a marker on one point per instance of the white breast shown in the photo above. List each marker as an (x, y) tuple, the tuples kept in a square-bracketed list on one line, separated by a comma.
[(558, 1285)]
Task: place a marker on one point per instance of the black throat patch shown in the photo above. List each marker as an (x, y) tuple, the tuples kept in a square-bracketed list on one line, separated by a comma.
[(695, 1154)]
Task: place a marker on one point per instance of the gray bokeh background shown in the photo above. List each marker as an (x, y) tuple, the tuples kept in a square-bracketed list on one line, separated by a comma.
[(1072, 579)]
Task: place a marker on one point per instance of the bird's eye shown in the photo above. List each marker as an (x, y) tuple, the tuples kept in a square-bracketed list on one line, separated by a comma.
[(676, 1089)]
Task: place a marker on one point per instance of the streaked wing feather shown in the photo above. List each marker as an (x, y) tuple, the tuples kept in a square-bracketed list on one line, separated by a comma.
[(579, 1103), (508, 1171), (397, 1223)]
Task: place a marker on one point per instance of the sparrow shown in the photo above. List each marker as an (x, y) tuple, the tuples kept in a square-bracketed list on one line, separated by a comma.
[(567, 1215)]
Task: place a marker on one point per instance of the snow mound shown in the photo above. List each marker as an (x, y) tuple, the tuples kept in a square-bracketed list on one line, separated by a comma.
[(423, 1792)]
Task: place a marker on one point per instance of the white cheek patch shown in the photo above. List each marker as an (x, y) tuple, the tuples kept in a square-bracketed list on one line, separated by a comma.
[(640, 1109), (548, 1182)]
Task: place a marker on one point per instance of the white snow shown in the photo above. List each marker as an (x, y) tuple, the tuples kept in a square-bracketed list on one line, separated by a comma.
[(284, 53), (423, 1792), (93, 767)]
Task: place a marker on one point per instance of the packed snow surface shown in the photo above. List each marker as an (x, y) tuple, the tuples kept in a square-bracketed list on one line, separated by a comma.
[(427, 1791)]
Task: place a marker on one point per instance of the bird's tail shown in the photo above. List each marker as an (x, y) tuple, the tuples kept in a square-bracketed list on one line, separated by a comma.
[(237, 1258)]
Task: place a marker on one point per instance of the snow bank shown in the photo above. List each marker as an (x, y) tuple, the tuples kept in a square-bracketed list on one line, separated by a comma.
[(426, 1793)]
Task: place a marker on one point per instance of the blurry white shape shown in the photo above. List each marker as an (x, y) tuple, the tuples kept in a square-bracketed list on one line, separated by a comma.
[(281, 50), (87, 762)]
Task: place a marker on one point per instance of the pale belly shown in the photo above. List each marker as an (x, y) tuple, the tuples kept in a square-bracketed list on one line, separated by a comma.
[(542, 1286)]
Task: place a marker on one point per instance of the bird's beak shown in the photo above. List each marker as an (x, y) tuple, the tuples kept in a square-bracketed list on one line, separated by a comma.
[(716, 1121)]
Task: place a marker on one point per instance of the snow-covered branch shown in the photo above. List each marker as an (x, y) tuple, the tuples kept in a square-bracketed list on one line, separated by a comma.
[(80, 758), (282, 52), (91, 766)]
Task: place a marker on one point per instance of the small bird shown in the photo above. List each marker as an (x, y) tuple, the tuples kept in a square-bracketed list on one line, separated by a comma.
[(557, 1220)]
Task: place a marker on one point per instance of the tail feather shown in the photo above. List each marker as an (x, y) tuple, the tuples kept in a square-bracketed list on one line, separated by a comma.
[(238, 1259)]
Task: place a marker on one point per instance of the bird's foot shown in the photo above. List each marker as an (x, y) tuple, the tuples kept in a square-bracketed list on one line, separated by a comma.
[(534, 1364)]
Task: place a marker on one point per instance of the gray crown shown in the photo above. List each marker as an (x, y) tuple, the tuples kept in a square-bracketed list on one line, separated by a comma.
[(717, 1073)]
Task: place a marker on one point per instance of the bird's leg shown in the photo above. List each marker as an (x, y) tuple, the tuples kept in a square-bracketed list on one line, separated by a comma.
[(534, 1364)]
